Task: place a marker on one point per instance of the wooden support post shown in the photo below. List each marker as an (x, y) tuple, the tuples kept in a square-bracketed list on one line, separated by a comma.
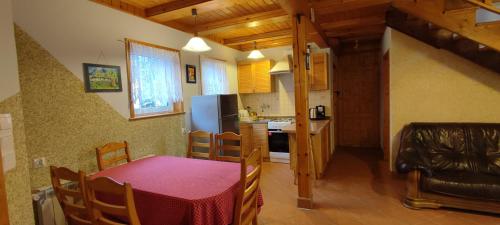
[(305, 199), (4, 212)]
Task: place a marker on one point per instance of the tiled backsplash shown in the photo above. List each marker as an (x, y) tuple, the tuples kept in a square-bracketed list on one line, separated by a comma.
[(281, 102)]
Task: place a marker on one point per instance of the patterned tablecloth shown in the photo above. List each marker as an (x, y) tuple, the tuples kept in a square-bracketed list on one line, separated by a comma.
[(181, 191)]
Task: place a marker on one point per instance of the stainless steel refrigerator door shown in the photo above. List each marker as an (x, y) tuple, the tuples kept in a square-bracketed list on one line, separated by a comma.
[(205, 113)]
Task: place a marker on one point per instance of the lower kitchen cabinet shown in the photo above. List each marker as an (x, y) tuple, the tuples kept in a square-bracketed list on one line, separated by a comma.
[(255, 135)]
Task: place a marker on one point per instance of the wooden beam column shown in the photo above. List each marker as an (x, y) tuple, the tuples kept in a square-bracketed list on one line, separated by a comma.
[(299, 30)]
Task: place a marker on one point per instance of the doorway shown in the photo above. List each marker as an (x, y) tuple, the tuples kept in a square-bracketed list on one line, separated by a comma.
[(358, 101)]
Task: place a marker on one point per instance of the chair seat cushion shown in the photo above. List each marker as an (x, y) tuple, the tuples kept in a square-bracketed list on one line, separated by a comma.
[(463, 184)]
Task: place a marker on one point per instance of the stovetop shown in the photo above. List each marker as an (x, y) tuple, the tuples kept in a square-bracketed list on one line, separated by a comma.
[(279, 123)]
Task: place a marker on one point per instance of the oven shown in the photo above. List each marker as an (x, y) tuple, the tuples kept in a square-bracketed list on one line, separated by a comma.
[(278, 141)]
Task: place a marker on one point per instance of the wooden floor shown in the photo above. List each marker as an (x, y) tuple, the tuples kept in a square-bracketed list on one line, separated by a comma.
[(356, 190)]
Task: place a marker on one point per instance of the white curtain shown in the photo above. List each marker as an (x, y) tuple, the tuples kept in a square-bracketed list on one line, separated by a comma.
[(214, 77), (155, 78)]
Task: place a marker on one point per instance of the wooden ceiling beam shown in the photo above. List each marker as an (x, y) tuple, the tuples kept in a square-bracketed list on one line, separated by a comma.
[(344, 33), (330, 7), (286, 33), (205, 7), (266, 44), (247, 21), (357, 22), (172, 6), (300, 7)]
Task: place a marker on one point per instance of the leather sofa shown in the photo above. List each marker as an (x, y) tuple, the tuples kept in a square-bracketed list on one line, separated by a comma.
[(451, 165)]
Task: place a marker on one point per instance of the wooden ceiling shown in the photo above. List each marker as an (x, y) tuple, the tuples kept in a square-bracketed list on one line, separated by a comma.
[(240, 23)]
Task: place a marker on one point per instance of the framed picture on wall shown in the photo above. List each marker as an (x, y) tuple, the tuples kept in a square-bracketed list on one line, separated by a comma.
[(102, 78), (190, 74)]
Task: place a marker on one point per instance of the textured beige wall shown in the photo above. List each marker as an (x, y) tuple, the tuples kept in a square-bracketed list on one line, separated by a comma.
[(18, 179), (73, 37), (432, 85), (65, 124)]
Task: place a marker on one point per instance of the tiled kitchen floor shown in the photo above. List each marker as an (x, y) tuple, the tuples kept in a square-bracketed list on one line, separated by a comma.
[(356, 190)]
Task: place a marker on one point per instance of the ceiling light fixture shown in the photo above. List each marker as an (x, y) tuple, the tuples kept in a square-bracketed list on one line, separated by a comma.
[(255, 54), (196, 44)]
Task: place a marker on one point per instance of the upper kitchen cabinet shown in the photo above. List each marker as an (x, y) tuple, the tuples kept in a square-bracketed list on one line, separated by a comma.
[(318, 77), (254, 77)]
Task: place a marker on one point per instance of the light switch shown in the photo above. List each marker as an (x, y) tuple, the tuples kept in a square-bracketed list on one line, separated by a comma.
[(7, 143)]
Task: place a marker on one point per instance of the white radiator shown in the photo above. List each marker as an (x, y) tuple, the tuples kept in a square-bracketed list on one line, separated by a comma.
[(47, 209)]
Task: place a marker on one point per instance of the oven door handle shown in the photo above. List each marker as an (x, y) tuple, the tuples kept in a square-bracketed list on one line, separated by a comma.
[(275, 132)]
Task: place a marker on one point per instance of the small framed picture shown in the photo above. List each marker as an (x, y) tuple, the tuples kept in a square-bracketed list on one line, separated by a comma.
[(102, 78), (190, 74)]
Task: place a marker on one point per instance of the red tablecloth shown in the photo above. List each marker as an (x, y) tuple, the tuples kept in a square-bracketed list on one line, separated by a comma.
[(181, 191)]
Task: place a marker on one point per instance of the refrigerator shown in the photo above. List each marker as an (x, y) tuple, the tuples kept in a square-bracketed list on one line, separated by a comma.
[(215, 113)]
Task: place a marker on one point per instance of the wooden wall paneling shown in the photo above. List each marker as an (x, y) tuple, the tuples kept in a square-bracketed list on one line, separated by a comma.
[(4, 211)]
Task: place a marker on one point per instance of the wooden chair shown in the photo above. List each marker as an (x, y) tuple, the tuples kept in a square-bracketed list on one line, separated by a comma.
[(195, 138), (104, 163), (72, 201), (107, 213), (246, 208), (228, 142)]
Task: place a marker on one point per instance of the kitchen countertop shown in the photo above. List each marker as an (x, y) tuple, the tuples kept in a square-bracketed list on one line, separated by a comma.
[(315, 125), (255, 121)]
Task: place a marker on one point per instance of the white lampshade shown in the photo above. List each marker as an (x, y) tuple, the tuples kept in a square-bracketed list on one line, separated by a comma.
[(255, 54), (196, 44)]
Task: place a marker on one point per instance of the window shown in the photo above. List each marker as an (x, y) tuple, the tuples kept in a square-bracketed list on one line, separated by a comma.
[(155, 80), (213, 77)]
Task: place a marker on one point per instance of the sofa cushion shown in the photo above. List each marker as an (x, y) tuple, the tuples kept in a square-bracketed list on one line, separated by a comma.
[(443, 145), (463, 184), (485, 146)]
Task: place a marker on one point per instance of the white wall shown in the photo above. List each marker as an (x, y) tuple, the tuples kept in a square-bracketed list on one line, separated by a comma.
[(77, 31), (9, 78)]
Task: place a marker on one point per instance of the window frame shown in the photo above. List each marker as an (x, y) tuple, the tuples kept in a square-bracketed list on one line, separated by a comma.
[(178, 107), (201, 70)]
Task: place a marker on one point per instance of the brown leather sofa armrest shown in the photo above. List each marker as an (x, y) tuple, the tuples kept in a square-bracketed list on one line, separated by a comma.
[(410, 156)]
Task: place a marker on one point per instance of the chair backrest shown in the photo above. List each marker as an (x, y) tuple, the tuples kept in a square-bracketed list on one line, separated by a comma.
[(200, 140), (71, 200), (246, 202), (228, 147), (109, 213), (113, 149)]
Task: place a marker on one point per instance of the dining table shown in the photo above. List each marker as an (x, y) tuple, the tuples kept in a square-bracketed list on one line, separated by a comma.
[(181, 191)]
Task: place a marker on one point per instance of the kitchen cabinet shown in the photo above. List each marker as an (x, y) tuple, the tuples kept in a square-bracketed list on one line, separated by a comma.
[(321, 147), (254, 77), (318, 76), (255, 135)]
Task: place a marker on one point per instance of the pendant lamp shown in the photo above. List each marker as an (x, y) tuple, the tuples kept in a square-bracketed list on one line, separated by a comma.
[(196, 44), (255, 54)]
